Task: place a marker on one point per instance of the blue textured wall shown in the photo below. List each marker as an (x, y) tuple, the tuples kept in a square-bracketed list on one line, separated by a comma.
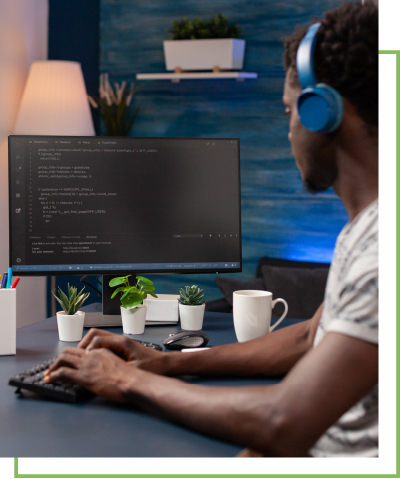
[(279, 218), (74, 36)]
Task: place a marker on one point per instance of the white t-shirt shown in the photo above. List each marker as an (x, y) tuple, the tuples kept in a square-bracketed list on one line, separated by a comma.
[(351, 308)]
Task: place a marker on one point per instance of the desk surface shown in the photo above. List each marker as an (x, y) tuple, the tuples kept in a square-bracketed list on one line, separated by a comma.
[(36, 427)]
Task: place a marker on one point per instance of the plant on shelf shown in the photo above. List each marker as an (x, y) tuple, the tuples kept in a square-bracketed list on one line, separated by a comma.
[(198, 29), (191, 296), (71, 303), (114, 106), (132, 295), (197, 45)]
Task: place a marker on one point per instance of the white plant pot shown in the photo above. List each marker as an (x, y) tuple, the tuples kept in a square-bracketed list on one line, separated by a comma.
[(70, 326), (224, 53), (133, 320), (191, 316)]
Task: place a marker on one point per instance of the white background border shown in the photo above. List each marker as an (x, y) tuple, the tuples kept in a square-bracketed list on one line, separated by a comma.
[(385, 464)]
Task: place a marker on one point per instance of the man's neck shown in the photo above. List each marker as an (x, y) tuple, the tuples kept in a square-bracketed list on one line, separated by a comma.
[(357, 162), (356, 193)]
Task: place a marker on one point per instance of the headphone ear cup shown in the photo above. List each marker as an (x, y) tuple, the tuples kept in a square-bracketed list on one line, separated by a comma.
[(320, 108)]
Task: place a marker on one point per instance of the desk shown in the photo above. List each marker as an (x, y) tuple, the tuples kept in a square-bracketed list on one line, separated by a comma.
[(35, 427)]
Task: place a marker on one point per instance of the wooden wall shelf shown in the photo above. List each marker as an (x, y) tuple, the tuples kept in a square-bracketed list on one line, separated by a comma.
[(176, 77)]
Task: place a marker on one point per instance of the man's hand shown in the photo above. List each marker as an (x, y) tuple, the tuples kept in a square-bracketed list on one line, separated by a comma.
[(99, 370), (126, 348), (122, 346)]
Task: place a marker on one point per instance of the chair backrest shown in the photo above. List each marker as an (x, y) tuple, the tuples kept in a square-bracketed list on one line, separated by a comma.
[(300, 283), (288, 263)]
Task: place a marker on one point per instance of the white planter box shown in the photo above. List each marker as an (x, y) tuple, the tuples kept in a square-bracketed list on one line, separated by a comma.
[(226, 54), (164, 308)]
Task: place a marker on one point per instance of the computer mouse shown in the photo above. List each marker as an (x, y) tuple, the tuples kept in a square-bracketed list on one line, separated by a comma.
[(186, 339)]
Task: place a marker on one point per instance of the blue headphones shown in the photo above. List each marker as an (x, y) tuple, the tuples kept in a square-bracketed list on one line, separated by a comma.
[(320, 106)]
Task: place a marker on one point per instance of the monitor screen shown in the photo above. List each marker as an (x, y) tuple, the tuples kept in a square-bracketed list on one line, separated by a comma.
[(110, 205)]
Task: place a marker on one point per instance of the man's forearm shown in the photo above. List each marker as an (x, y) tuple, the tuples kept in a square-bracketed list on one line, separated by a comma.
[(232, 414), (272, 354)]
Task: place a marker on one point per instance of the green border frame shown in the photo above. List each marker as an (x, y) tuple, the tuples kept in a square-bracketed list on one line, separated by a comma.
[(397, 475)]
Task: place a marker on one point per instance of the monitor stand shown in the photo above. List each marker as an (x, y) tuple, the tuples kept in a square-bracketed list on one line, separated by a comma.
[(108, 314), (96, 319)]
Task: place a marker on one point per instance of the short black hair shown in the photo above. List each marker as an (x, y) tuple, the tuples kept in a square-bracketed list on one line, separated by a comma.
[(345, 56)]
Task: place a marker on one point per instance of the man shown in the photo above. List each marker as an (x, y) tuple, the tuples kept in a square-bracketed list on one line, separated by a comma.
[(326, 405)]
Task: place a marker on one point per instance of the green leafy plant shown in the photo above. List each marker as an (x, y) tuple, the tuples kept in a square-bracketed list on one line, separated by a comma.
[(216, 27), (191, 296), (132, 296), (71, 303), (114, 106)]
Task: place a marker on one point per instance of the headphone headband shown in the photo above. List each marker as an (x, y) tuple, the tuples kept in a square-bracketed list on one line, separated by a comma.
[(305, 57)]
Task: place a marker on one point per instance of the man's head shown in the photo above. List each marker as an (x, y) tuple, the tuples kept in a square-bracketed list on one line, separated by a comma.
[(346, 59)]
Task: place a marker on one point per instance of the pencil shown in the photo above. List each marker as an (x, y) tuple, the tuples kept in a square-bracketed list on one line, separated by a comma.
[(9, 278)]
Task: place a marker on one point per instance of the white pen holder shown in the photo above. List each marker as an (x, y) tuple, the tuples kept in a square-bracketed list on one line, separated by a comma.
[(8, 321)]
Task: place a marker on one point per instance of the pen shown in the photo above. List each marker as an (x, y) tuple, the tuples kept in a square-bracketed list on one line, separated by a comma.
[(9, 278), (15, 282), (4, 282)]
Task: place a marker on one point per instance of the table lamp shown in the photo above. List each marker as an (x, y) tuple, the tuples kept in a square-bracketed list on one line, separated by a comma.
[(54, 101)]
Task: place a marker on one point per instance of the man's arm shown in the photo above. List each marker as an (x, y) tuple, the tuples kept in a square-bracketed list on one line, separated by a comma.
[(280, 420), (271, 354)]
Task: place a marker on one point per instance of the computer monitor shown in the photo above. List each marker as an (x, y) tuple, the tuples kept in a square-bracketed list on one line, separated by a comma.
[(115, 206)]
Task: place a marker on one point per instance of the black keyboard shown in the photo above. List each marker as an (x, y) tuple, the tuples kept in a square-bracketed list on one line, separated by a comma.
[(32, 380)]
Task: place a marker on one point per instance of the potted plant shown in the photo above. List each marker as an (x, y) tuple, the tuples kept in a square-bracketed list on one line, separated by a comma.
[(204, 45), (191, 308), (70, 320), (133, 312), (114, 106)]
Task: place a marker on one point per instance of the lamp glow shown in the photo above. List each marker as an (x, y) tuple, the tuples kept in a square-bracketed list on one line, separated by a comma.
[(55, 101)]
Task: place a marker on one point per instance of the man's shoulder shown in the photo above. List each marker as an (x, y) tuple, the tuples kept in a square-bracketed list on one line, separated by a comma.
[(351, 296), (357, 245), (362, 231)]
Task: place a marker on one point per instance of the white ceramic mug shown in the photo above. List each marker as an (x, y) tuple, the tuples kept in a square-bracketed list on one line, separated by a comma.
[(252, 313)]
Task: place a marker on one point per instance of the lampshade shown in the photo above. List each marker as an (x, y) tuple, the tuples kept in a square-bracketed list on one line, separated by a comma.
[(55, 101)]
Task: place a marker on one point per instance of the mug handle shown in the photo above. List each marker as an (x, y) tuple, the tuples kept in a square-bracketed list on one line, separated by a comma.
[(283, 315)]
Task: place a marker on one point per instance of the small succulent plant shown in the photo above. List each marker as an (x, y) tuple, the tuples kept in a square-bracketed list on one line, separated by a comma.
[(71, 303), (191, 296)]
